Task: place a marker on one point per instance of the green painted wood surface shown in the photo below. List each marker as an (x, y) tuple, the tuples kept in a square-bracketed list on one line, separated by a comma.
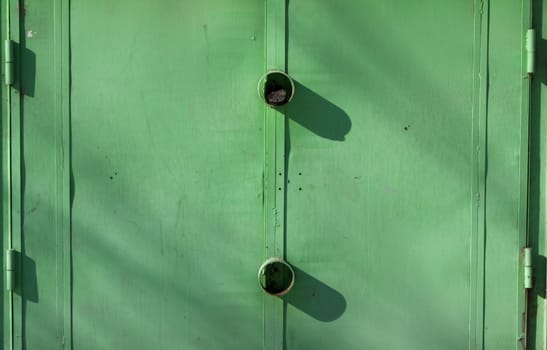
[(154, 181)]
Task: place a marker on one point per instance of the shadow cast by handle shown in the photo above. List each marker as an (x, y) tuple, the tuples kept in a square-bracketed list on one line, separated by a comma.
[(317, 114), (25, 70), (315, 298), (26, 280)]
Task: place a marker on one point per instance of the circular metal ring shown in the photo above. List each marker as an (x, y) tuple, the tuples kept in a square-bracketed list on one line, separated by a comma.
[(276, 276), (276, 88)]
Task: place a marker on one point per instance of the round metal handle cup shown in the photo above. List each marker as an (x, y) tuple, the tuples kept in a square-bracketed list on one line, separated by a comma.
[(276, 88), (276, 276)]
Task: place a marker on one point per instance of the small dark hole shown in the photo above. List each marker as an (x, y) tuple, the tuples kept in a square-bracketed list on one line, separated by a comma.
[(299, 173), (300, 188), (279, 188)]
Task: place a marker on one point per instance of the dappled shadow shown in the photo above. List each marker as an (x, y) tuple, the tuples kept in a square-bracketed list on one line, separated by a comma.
[(136, 256)]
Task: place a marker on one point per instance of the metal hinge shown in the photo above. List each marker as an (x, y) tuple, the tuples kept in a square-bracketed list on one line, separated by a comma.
[(8, 62), (530, 51), (527, 258), (10, 269)]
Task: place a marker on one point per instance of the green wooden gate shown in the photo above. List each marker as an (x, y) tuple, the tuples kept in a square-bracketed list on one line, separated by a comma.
[(145, 181)]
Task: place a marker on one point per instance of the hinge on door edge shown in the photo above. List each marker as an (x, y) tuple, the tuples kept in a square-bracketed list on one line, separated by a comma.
[(10, 269), (8, 62), (527, 268), (530, 51)]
